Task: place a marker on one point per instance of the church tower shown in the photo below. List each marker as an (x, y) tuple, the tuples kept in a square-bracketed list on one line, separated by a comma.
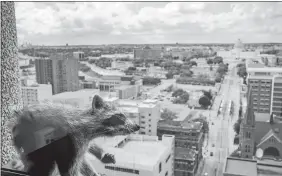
[(247, 129)]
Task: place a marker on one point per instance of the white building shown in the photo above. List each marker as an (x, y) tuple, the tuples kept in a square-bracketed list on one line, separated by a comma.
[(35, 93), (78, 55), (150, 113), (81, 98), (136, 155), (128, 91), (238, 52), (145, 113)]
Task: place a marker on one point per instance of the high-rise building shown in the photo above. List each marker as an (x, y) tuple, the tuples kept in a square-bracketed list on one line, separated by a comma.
[(136, 155), (267, 89), (35, 93), (65, 73), (43, 69)]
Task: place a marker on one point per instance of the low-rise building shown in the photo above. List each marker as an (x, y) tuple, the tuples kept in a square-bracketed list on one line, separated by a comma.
[(35, 93), (136, 155), (147, 114), (246, 167), (189, 136), (128, 91), (185, 162)]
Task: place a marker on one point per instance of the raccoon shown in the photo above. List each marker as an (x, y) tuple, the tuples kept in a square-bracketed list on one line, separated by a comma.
[(66, 130)]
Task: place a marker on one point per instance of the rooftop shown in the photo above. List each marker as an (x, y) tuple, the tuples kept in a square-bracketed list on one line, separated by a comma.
[(265, 69), (123, 87), (240, 167), (138, 151), (129, 109), (184, 153), (181, 124)]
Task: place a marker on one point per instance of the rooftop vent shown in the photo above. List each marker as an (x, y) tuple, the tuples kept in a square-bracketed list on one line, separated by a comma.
[(276, 130)]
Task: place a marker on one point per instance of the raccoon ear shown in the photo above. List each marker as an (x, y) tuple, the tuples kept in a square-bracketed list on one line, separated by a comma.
[(97, 102)]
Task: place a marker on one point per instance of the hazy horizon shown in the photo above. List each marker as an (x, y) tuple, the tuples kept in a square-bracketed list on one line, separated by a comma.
[(103, 23)]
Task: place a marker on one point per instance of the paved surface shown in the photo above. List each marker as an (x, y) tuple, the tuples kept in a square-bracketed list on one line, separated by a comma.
[(221, 134)]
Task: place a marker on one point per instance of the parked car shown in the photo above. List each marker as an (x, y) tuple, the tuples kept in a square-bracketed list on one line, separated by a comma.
[(211, 154)]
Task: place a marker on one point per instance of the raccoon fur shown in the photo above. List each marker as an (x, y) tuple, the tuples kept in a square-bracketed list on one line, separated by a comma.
[(83, 125)]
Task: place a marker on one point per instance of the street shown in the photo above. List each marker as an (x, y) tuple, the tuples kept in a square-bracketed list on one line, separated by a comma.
[(221, 134)]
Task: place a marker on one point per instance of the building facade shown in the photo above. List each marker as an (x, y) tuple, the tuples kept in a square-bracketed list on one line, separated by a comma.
[(44, 71), (137, 155), (128, 91), (264, 82), (35, 93), (65, 73), (146, 113), (260, 131), (79, 55), (189, 139)]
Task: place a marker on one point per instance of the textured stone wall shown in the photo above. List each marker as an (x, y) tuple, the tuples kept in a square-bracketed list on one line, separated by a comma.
[(10, 87)]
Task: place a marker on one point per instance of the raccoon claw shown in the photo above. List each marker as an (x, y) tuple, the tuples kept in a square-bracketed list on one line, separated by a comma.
[(108, 159)]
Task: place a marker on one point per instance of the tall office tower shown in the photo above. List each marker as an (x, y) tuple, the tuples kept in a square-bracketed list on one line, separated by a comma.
[(141, 155), (266, 86), (150, 114), (65, 72)]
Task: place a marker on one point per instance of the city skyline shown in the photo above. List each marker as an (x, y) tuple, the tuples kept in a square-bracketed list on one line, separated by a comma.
[(58, 23)]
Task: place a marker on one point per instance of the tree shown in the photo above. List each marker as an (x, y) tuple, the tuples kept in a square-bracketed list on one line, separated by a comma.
[(168, 114), (151, 81), (187, 73), (242, 71), (218, 60), (203, 76), (177, 92), (218, 79), (236, 126), (208, 94), (193, 63), (132, 68), (204, 101), (209, 61), (169, 75), (169, 88)]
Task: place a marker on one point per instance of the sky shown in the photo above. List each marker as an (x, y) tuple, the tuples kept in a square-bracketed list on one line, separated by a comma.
[(95, 23)]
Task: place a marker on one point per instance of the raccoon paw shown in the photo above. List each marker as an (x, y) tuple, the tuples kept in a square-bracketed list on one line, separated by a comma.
[(108, 159)]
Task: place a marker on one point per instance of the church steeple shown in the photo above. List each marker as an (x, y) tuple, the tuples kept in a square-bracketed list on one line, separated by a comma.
[(249, 118)]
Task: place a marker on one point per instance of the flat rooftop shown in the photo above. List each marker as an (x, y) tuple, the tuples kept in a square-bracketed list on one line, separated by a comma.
[(185, 154), (83, 93), (180, 124), (129, 109), (141, 154), (240, 167)]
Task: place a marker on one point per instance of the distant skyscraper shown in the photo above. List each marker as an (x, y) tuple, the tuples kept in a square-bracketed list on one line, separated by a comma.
[(65, 73)]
